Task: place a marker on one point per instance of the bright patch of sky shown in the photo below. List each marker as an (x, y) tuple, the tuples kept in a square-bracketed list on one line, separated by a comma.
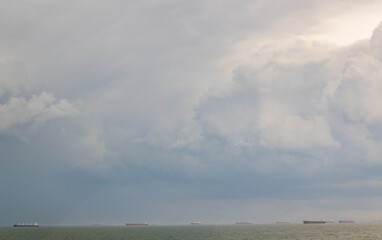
[(353, 23)]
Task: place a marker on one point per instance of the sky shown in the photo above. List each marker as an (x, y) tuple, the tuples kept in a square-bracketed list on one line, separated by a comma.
[(178, 111)]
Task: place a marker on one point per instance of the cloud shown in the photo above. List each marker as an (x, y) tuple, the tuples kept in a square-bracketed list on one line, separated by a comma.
[(312, 101), (35, 111), (356, 87), (275, 104)]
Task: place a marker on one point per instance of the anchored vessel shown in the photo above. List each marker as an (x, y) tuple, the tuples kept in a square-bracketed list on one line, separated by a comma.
[(346, 221), (27, 225), (137, 224), (314, 222), (196, 223), (99, 225)]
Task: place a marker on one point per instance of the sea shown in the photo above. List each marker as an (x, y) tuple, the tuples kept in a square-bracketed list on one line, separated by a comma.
[(204, 232)]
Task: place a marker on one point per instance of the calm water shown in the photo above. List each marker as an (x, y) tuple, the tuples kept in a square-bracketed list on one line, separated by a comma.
[(298, 231)]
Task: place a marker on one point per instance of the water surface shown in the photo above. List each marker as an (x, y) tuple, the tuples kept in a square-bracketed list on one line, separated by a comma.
[(223, 232)]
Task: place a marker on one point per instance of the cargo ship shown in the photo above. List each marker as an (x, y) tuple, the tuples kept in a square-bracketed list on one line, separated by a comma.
[(244, 223), (196, 223), (314, 222), (137, 224), (346, 221), (27, 225)]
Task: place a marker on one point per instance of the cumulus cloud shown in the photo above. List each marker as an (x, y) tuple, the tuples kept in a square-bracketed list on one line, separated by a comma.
[(276, 104), (302, 102), (37, 110)]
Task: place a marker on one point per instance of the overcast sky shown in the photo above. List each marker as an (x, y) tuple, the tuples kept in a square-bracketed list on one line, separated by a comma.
[(178, 111)]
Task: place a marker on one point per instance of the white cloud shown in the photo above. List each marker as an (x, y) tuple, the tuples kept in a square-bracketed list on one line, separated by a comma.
[(36, 111), (355, 86), (303, 96), (294, 132)]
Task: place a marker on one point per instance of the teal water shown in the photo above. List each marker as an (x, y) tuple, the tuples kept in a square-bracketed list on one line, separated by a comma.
[(224, 232)]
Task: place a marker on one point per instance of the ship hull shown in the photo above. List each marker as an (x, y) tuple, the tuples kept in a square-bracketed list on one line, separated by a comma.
[(314, 222), (28, 226), (137, 224)]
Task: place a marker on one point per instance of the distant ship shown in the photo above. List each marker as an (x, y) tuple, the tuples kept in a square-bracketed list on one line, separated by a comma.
[(137, 224), (314, 222), (27, 225), (346, 221), (244, 223), (99, 225), (196, 223)]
